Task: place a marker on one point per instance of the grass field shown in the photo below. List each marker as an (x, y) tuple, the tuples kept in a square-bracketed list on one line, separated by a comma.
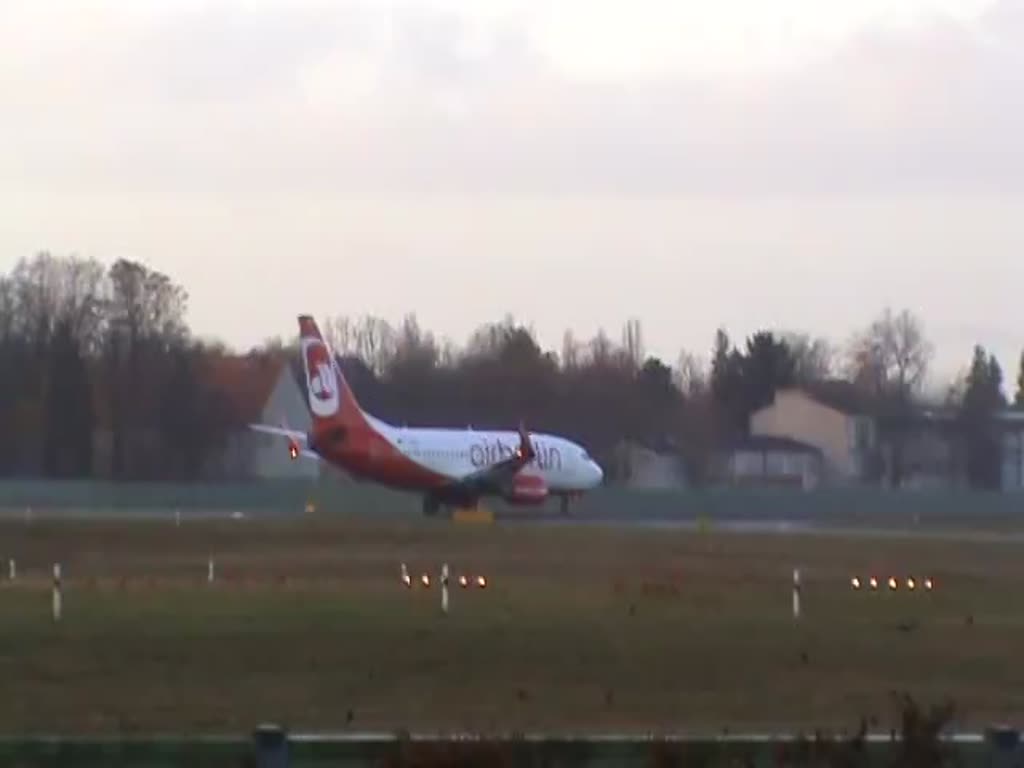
[(307, 624)]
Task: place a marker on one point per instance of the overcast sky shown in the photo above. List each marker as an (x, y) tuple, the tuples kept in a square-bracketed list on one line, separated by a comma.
[(794, 163)]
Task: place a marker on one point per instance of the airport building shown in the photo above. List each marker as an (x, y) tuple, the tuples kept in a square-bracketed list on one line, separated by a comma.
[(258, 390), (827, 435)]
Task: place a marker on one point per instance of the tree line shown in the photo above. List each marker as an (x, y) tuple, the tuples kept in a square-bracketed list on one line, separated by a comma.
[(82, 347), (94, 356)]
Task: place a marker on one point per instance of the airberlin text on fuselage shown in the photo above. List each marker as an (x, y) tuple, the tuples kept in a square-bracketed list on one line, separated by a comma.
[(486, 452)]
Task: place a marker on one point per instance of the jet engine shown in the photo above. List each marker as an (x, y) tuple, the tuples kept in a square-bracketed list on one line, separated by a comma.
[(527, 489)]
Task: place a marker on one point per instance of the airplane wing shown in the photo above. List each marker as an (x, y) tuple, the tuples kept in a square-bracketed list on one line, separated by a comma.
[(294, 436), (497, 476)]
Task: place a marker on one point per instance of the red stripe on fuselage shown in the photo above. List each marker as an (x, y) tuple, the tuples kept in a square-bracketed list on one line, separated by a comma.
[(367, 453)]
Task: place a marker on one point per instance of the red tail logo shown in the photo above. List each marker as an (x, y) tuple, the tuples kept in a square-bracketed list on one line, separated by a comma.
[(321, 379), (321, 376)]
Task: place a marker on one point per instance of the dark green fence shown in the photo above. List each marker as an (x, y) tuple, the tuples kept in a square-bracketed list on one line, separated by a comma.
[(270, 749), (267, 496)]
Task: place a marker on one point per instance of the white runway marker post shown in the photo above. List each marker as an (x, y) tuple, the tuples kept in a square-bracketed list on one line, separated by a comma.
[(12, 569), (56, 592), (177, 518), (406, 578), (209, 570), (444, 588), (796, 593)]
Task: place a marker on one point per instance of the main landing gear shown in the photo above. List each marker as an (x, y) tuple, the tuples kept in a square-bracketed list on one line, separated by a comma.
[(431, 506)]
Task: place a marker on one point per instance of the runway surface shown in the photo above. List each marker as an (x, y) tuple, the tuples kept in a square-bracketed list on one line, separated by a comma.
[(796, 528), (962, 527)]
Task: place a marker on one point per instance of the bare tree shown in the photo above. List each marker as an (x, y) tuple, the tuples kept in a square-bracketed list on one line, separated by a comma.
[(413, 347), (146, 324), (37, 289), (602, 351), (490, 339), (1018, 398), (53, 310), (374, 342), (8, 309), (633, 343), (340, 334), (145, 306), (953, 394), (890, 360), (448, 354), (892, 355), (814, 357), (690, 375), (570, 357)]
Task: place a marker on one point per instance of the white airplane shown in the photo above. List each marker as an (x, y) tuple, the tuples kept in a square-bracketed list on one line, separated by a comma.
[(454, 467)]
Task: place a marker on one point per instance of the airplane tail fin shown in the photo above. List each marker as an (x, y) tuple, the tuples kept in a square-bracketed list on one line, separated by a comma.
[(331, 402)]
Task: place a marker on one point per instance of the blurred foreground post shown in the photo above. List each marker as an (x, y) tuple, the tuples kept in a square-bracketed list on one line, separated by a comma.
[(271, 746), (56, 592), (444, 588), (796, 593), (1004, 741)]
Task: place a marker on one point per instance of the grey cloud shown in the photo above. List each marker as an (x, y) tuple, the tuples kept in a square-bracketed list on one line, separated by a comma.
[(934, 110), (938, 109)]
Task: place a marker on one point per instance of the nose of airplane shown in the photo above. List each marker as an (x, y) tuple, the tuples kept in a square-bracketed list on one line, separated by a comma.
[(596, 473)]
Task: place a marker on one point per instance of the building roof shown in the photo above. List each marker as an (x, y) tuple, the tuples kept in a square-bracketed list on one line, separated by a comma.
[(772, 443), (246, 381), (840, 395)]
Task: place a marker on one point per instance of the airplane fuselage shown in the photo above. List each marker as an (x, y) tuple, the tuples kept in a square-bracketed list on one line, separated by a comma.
[(414, 458)]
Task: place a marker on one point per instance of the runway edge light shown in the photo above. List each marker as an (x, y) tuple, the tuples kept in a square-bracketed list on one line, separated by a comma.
[(894, 583)]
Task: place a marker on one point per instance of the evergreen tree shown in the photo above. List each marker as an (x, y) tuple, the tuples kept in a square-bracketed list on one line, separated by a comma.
[(983, 398), (727, 385), (768, 366)]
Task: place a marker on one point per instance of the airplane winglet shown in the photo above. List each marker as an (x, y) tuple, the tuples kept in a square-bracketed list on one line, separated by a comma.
[(526, 452)]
